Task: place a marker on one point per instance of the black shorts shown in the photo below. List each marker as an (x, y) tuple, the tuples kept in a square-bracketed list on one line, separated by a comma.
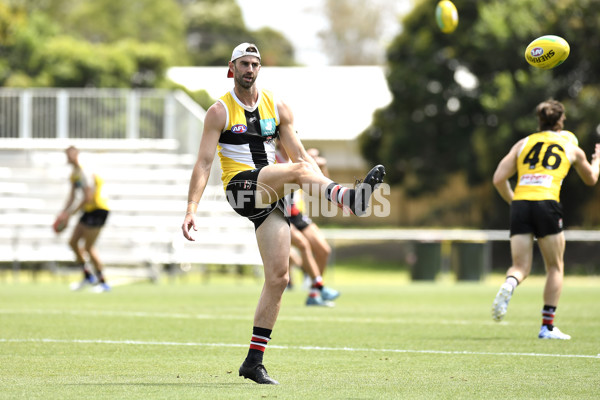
[(300, 221), (94, 219), (241, 195), (542, 218)]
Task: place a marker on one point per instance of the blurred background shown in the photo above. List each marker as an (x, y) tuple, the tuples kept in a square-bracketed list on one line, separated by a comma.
[(369, 82)]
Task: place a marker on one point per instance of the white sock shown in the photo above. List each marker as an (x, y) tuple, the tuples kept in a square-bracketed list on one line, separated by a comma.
[(512, 281)]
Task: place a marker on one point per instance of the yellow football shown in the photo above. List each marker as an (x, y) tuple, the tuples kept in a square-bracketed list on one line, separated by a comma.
[(547, 52), (446, 16)]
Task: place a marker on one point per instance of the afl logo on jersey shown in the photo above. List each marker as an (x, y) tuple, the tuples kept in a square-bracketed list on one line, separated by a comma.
[(239, 128)]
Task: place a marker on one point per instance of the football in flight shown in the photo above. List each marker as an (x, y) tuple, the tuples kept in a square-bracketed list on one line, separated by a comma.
[(547, 52), (446, 16)]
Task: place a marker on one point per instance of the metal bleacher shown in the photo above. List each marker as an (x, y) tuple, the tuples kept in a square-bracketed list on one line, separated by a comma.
[(144, 143), (147, 184)]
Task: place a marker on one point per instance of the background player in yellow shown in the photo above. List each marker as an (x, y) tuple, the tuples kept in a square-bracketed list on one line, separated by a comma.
[(94, 206), (308, 239), (541, 160)]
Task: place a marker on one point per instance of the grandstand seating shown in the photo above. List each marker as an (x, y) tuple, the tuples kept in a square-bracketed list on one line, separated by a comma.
[(147, 183)]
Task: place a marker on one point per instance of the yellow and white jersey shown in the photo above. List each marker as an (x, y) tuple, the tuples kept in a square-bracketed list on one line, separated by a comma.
[(571, 136), (81, 179), (542, 164), (248, 139)]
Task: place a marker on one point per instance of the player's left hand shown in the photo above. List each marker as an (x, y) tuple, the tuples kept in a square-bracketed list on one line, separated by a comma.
[(188, 223)]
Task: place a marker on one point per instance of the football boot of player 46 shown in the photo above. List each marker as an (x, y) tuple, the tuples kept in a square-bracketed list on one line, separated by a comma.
[(555, 333), (501, 301)]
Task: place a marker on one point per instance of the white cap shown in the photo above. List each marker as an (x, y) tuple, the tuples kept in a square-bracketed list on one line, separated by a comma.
[(241, 50)]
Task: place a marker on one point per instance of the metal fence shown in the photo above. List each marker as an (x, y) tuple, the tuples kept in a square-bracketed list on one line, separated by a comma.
[(47, 113)]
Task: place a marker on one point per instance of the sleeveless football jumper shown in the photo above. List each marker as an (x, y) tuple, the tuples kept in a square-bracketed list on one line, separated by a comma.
[(248, 140), (83, 178), (246, 145), (542, 165)]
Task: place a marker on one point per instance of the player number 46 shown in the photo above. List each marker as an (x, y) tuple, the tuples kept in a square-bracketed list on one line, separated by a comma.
[(551, 159)]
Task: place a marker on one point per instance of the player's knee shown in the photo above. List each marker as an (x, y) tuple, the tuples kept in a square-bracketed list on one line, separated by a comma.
[(322, 249), (302, 244), (277, 285), (555, 267), (325, 248), (88, 247), (301, 170), (74, 243), (277, 282)]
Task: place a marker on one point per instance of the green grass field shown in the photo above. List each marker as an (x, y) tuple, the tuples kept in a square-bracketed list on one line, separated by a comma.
[(386, 338)]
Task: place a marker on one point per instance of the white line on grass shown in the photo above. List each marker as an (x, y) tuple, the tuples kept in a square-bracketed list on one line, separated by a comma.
[(141, 314), (309, 348)]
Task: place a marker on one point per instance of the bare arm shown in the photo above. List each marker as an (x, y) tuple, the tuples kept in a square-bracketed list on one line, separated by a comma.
[(587, 171), (88, 195), (507, 168), (214, 122), (70, 200), (321, 161), (292, 145)]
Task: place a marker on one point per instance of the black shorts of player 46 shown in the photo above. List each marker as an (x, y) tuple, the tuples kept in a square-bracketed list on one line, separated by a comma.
[(241, 195), (94, 219), (542, 218)]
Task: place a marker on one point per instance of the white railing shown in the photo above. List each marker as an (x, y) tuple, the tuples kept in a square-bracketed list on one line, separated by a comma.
[(441, 235), (48, 113)]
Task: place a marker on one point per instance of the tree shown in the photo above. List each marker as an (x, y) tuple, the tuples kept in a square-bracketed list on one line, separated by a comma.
[(21, 40), (106, 43), (460, 101), (68, 62), (215, 27), (357, 30), (36, 51), (110, 21)]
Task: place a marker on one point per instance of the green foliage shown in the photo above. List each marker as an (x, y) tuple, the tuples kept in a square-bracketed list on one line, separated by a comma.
[(201, 97), (37, 52), (460, 101), (151, 61), (107, 43), (67, 62), (275, 49), (110, 21), (215, 27), (21, 39), (212, 27)]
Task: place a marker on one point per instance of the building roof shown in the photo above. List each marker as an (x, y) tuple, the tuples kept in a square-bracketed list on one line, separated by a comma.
[(328, 102)]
